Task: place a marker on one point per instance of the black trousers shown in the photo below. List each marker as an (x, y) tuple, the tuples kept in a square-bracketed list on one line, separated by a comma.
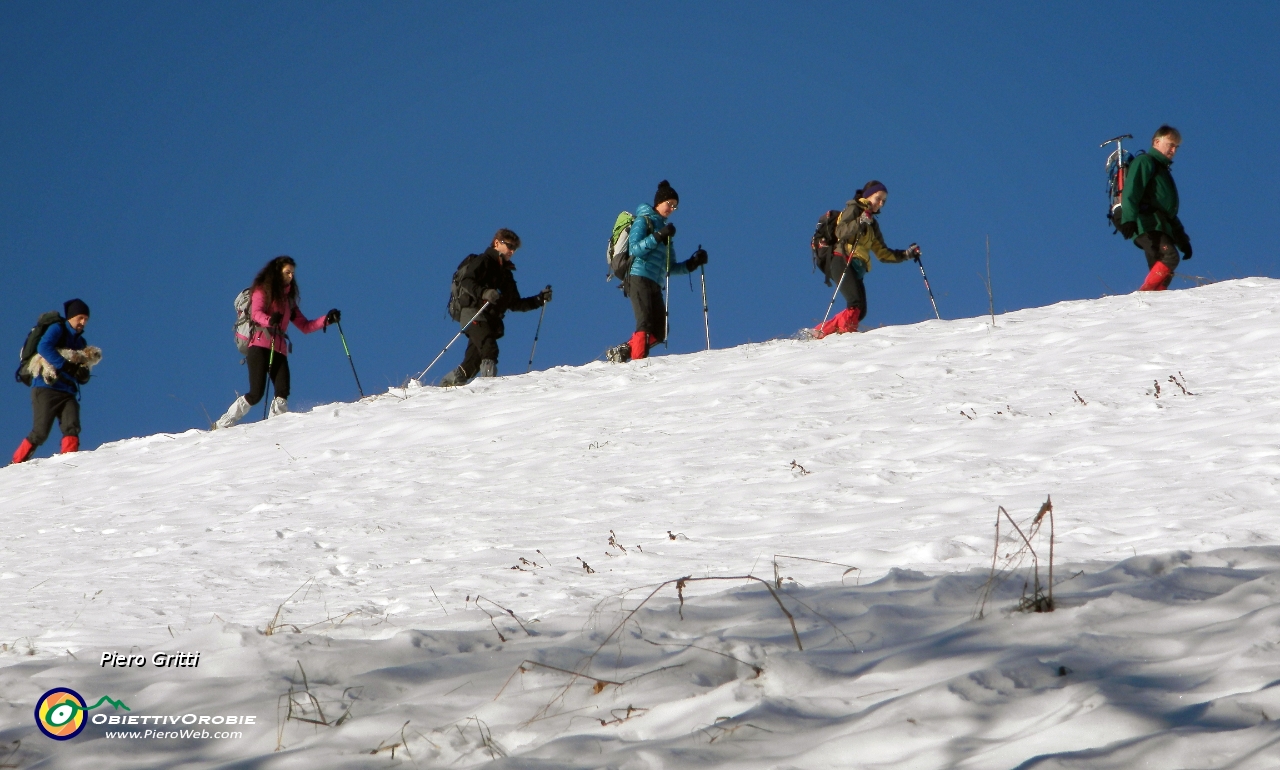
[(257, 359), (48, 404), (1158, 247), (482, 343), (646, 302), (852, 289)]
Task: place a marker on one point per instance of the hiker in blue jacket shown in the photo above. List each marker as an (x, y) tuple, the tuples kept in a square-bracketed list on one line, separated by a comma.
[(652, 247), (57, 370)]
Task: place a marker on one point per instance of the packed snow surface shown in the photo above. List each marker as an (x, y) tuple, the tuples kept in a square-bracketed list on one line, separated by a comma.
[(491, 574)]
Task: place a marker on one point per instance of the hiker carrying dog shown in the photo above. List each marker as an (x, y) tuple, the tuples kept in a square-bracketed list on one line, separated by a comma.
[(55, 370), (651, 244), (1149, 210), (850, 240), (272, 307)]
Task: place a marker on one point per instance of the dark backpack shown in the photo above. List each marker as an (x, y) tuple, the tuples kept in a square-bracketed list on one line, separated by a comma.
[(29, 348), (1117, 172), (459, 295), (834, 228), (823, 242)]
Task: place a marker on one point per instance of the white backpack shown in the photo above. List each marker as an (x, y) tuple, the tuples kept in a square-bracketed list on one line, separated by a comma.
[(244, 323)]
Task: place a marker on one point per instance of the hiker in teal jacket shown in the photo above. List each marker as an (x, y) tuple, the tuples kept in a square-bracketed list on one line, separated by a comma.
[(1149, 209), (651, 257), (651, 244)]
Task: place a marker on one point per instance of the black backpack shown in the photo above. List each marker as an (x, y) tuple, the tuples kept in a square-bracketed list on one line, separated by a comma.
[(823, 242), (29, 348), (458, 295)]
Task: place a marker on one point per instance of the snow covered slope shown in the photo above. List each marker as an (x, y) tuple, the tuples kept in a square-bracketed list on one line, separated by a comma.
[(407, 553)]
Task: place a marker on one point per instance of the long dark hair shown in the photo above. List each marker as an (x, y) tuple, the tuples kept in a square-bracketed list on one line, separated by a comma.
[(271, 282)]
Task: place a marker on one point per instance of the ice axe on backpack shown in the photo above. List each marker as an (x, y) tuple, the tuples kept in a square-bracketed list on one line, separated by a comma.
[(1117, 165), (466, 326)]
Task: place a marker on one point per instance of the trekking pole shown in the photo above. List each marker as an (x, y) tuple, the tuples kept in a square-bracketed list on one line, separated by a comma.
[(927, 287), (706, 318), (271, 357), (347, 350), (536, 332), (666, 303), (836, 293), (455, 339)]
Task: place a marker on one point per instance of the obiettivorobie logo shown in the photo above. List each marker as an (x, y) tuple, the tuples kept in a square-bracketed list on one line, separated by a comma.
[(60, 712)]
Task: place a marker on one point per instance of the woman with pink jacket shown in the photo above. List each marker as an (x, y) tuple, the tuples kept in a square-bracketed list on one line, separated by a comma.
[(274, 305)]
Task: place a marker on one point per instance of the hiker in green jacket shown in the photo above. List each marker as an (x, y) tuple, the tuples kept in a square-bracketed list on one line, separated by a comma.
[(1149, 209)]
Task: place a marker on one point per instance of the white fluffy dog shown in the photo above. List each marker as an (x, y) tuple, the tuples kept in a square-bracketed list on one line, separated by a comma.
[(39, 367)]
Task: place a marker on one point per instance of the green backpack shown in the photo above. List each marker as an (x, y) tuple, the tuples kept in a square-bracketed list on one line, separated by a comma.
[(619, 254)]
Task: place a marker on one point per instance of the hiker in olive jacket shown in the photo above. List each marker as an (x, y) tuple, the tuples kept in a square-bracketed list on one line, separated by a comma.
[(1149, 210), (487, 277), (857, 238)]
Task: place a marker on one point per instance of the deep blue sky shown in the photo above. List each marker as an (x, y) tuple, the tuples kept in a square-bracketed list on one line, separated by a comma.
[(155, 155)]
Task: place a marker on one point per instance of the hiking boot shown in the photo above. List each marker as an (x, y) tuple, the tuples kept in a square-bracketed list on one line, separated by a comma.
[(236, 412), (25, 450), (488, 368), (1158, 279), (620, 354), (454, 378), (279, 406)]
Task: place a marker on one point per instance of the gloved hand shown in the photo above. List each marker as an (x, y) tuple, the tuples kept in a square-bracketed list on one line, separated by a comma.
[(665, 234), (333, 316), (491, 296), (77, 372), (545, 294), (1186, 247), (913, 251), (698, 259), (276, 319)]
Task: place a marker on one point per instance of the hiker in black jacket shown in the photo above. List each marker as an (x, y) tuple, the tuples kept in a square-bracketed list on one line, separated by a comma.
[(487, 277)]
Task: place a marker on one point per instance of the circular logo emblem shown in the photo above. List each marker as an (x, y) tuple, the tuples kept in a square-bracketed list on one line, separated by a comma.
[(60, 713)]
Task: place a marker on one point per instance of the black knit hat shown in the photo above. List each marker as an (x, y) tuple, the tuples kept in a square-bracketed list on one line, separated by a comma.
[(74, 307), (665, 193)]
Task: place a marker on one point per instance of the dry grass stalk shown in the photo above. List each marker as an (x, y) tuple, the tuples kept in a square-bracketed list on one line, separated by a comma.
[(402, 744), (7, 761), (303, 706), (777, 576), (757, 669), (725, 732), (276, 623), (509, 613), (1040, 600), (680, 584)]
